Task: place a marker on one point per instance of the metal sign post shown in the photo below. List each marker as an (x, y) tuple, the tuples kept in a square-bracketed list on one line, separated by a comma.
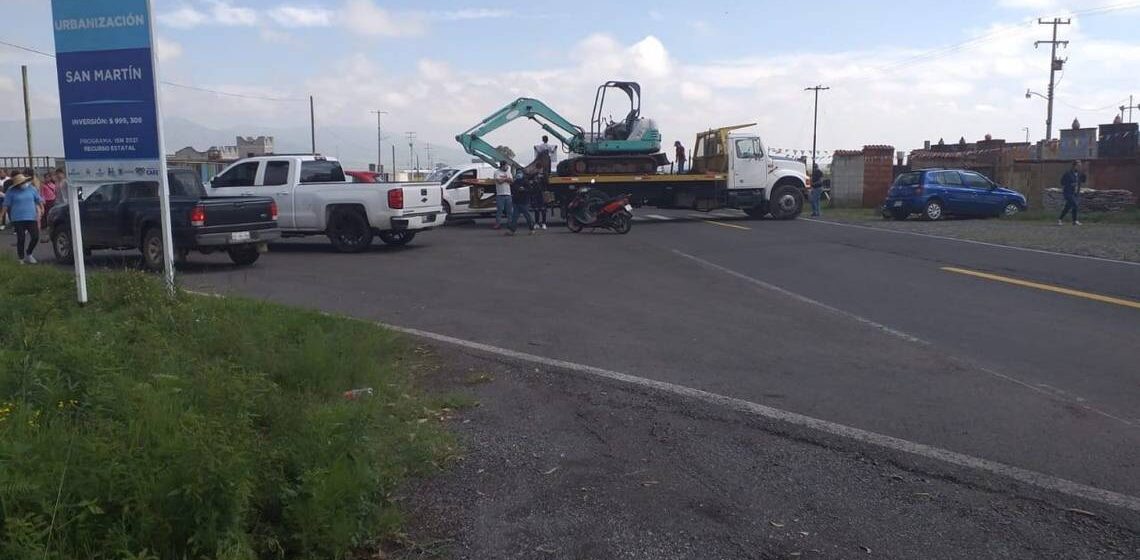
[(108, 99)]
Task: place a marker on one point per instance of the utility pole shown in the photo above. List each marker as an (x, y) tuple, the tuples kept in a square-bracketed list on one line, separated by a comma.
[(411, 150), (1131, 105), (393, 161), (312, 124), (379, 153), (815, 125), (1026, 129), (431, 163), (1054, 66), (28, 122)]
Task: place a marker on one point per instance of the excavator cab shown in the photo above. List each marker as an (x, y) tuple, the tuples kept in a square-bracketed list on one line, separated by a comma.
[(606, 129), (630, 135)]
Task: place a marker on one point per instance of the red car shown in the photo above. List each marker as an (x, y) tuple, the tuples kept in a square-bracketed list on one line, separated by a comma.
[(364, 177)]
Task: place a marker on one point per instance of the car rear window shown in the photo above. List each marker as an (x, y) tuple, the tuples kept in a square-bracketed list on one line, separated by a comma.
[(909, 179)]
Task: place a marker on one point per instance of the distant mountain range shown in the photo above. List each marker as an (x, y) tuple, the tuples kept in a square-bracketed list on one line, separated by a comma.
[(355, 146)]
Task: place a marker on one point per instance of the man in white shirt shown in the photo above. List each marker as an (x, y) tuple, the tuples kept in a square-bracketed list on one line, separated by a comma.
[(549, 149), (503, 202)]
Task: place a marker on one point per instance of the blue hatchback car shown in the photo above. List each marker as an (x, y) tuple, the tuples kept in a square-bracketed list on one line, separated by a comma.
[(937, 193)]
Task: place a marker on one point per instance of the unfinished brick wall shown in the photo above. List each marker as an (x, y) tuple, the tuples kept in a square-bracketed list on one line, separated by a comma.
[(878, 174)]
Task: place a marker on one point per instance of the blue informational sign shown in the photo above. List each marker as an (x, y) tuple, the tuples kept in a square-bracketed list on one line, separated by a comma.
[(107, 92)]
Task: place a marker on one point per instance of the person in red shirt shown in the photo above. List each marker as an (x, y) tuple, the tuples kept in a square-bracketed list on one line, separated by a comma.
[(49, 191)]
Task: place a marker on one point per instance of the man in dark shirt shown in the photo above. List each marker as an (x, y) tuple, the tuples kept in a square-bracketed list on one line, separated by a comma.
[(679, 156), (1071, 183)]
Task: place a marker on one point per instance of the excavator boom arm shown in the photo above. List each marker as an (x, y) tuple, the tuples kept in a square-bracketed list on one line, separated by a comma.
[(566, 132)]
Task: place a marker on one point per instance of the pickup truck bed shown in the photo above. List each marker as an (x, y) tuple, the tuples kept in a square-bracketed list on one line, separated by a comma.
[(315, 199), (126, 216)]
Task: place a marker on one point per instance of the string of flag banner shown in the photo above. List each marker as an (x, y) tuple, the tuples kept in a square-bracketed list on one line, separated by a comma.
[(794, 152)]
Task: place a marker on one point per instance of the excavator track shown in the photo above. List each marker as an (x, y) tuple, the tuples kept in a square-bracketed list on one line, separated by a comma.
[(611, 165)]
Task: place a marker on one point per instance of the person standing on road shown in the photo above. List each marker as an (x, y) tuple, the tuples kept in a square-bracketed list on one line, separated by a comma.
[(48, 191), (679, 156), (1071, 183), (503, 204), (520, 195), (538, 201), (24, 204)]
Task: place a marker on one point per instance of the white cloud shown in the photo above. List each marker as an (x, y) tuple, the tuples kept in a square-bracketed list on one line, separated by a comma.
[(364, 17), (167, 50), (473, 13), (185, 17), (228, 14), (294, 16)]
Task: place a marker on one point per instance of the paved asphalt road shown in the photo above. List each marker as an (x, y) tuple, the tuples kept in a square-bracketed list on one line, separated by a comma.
[(1031, 378)]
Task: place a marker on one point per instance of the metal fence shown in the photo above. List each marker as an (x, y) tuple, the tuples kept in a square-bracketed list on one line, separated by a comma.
[(42, 164)]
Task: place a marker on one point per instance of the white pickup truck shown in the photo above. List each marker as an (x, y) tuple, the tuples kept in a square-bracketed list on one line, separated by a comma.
[(313, 198)]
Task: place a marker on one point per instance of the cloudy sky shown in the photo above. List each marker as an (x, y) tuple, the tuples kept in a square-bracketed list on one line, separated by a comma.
[(900, 72)]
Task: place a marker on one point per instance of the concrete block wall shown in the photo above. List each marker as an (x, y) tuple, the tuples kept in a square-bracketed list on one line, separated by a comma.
[(878, 174), (847, 178)]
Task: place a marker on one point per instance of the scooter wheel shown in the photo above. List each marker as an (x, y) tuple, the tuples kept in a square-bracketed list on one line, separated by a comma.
[(573, 224), (623, 223)]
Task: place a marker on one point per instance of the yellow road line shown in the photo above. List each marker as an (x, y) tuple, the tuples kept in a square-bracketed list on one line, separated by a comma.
[(722, 224), (1045, 287)]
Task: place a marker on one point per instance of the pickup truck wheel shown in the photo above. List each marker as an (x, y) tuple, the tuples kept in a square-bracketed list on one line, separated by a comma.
[(151, 249), (61, 245), (397, 238), (349, 232), (244, 255), (786, 202)]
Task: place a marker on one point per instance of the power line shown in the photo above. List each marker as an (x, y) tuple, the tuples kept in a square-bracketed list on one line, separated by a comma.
[(172, 84)]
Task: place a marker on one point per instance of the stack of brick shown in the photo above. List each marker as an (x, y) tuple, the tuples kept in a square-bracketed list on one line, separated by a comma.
[(1092, 200)]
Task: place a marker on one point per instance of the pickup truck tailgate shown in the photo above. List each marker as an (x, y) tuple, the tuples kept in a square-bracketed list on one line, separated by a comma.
[(239, 212), (422, 197)]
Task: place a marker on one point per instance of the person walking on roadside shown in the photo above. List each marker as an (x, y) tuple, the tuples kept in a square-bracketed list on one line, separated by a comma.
[(49, 191), (4, 178), (23, 203), (503, 205), (816, 189), (520, 195), (679, 156), (1071, 183)]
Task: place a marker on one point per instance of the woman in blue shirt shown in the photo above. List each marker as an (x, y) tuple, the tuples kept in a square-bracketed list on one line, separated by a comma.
[(26, 207)]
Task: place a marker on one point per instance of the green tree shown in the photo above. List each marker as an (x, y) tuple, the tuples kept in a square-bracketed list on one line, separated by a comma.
[(506, 151)]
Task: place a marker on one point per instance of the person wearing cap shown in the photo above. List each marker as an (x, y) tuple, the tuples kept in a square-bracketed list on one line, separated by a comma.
[(26, 207)]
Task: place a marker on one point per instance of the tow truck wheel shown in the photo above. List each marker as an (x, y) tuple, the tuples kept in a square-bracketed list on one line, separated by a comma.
[(786, 202), (756, 212)]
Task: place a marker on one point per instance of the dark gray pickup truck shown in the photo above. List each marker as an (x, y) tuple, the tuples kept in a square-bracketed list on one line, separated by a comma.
[(125, 215)]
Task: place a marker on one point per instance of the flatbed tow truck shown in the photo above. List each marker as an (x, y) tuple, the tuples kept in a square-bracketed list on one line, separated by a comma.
[(730, 169)]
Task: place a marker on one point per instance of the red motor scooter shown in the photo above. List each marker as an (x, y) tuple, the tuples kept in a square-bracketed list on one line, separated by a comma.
[(592, 209)]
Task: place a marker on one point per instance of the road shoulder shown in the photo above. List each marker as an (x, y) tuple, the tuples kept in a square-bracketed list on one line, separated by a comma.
[(1114, 241), (562, 465)]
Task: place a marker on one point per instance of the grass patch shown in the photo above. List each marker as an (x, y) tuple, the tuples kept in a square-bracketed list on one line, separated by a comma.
[(144, 426)]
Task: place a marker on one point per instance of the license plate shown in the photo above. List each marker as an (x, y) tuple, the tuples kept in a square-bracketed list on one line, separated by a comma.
[(628, 208), (239, 236), (429, 219), (898, 203)]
